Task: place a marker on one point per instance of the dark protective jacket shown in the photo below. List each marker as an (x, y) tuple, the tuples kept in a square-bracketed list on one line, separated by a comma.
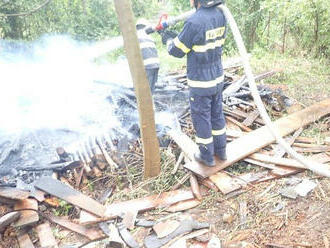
[(148, 50), (201, 39)]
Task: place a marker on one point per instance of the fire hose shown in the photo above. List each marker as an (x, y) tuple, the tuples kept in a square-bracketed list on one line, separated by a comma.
[(311, 165)]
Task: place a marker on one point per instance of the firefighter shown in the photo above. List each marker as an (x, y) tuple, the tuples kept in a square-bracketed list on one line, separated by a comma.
[(149, 53), (201, 40)]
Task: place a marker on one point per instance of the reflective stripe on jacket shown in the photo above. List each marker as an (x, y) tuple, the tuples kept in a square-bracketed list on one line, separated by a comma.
[(201, 39), (148, 50)]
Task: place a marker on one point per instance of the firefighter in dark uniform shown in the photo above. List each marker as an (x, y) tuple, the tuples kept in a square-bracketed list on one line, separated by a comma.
[(201, 40), (149, 53)]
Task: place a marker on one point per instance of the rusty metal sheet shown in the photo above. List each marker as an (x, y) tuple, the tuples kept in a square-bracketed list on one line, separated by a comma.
[(27, 217), (252, 141), (70, 195), (46, 237), (7, 219)]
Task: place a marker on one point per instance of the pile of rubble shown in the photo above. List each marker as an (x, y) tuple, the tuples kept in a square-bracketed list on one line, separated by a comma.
[(31, 204)]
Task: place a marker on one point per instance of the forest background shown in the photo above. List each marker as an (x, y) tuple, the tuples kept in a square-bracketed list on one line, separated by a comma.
[(296, 27)]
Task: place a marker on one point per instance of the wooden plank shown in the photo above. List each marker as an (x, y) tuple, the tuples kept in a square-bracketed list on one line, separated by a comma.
[(70, 195), (224, 182), (27, 217), (155, 201), (46, 237), (183, 205), (251, 118), (7, 219), (252, 141), (24, 241), (90, 233), (13, 193), (142, 89)]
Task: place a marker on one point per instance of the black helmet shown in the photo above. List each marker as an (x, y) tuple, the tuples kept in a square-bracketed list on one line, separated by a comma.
[(209, 3)]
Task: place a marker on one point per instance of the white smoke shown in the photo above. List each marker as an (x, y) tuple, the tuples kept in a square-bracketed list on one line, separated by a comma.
[(50, 84)]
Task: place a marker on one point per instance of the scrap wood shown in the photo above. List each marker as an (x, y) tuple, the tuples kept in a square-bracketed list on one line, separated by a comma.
[(90, 233), (195, 187), (129, 219), (173, 243), (183, 205), (224, 182), (209, 184), (251, 118), (186, 226), (164, 228), (107, 157), (13, 193), (70, 195), (280, 151), (252, 141), (237, 123), (27, 217), (177, 164), (7, 219), (24, 241), (46, 237), (150, 202)]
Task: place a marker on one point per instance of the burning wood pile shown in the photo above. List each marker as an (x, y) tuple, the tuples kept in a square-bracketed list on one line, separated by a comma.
[(98, 194)]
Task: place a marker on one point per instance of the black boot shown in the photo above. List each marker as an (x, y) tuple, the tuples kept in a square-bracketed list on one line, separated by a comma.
[(199, 158)]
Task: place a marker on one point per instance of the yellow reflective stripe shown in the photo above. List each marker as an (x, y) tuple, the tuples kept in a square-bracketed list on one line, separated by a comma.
[(211, 45), (204, 141), (147, 44), (214, 33), (219, 132), (180, 45), (205, 84), (151, 61)]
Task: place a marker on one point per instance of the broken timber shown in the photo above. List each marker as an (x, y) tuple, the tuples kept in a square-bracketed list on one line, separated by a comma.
[(252, 141), (70, 195)]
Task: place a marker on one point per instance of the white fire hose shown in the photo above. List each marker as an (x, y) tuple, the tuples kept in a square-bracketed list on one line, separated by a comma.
[(311, 165)]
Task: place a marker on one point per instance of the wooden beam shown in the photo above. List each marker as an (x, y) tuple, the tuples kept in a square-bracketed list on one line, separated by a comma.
[(252, 141), (70, 195), (27, 217), (142, 89)]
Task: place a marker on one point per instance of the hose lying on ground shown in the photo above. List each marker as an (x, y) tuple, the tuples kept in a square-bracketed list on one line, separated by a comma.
[(311, 165)]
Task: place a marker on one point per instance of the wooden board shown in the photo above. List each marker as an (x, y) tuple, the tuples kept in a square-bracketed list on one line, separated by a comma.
[(224, 182), (70, 195), (13, 193), (90, 233), (155, 201), (46, 237), (27, 217), (24, 241), (252, 141)]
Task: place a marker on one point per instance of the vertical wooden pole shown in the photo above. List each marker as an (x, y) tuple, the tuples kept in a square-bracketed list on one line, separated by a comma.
[(142, 89)]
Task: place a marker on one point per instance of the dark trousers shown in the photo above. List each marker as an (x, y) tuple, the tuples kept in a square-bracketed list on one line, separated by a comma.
[(152, 75), (209, 123)]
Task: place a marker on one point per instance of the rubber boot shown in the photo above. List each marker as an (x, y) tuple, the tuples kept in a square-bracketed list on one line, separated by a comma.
[(199, 158)]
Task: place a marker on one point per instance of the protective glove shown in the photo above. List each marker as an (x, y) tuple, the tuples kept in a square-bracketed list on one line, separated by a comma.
[(167, 35)]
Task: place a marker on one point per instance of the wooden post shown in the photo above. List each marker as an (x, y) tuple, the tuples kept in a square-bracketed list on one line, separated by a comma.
[(142, 89)]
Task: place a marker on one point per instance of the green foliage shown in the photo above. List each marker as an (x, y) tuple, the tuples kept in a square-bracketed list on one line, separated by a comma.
[(83, 19), (292, 26), (63, 209)]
